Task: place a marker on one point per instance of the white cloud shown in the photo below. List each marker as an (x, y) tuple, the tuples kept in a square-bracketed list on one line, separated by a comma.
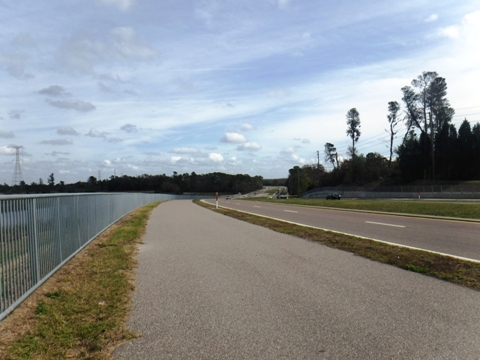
[(7, 150), (123, 5), (82, 55), (184, 150), (431, 18), (15, 114), (66, 130), (95, 133), (305, 141), (104, 88), (247, 127), (278, 93), (129, 128), (57, 153), (15, 64), (249, 146), (468, 29), (298, 159), (175, 159), (133, 167), (233, 138), (127, 45), (130, 92), (115, 140), (54, 90), (452, 32), (287, 151), (215, 157), (78, 105), (57, 142), (7, 134)]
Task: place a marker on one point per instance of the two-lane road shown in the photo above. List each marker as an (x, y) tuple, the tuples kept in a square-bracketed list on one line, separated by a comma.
[(458, 238)]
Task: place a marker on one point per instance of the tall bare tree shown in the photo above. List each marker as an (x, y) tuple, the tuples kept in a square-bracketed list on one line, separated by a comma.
[(414, 115), (353, 128), (393, 120), (331, 154), (422, 84)]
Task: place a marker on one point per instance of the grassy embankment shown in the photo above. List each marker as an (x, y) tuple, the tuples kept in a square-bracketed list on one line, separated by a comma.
[(446, 268), (414, 207), (80, 312)]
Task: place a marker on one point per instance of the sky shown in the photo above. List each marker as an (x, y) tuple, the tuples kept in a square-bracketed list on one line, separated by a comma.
[(131, 87)]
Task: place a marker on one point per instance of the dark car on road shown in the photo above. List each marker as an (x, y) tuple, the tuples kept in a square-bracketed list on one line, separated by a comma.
[(334, 196)]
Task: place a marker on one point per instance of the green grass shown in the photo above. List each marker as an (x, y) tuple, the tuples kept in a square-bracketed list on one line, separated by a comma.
[(464, 211), (419, 269), (84, 317), (460, 272)]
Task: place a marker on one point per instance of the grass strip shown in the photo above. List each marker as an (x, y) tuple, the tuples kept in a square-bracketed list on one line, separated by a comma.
[(82, 312), (413, 207), (446, 268)]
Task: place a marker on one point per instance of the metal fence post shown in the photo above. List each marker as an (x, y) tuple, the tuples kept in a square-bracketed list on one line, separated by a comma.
[(59, 232), (35, 257)]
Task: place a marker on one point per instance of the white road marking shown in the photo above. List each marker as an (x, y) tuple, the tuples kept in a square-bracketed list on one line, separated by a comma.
[(378, 223), (477, 261), (296, 212)]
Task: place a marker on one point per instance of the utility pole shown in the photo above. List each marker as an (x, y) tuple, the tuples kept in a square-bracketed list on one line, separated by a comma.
[(17, 173), (318, 160)]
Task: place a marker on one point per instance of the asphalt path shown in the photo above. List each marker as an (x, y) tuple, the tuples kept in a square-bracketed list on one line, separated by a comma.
[(458, 238), (212, 287)]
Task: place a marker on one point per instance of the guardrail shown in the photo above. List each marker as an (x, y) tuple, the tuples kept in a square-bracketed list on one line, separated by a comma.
[(405, 192), (39, 234)]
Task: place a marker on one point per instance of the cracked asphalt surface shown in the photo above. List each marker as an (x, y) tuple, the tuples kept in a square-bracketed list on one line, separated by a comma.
[(212, 287)]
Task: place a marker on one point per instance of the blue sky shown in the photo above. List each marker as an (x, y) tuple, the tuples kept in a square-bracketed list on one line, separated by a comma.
[(103, 87)]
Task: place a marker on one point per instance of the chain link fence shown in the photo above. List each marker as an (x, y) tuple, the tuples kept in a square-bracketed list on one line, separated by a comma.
[(39, 234)]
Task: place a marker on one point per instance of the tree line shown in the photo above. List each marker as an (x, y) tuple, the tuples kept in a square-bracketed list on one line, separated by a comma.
[(175, 184), (431, 149)]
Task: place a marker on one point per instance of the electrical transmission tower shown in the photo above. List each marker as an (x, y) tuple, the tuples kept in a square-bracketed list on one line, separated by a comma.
[(17, 173)]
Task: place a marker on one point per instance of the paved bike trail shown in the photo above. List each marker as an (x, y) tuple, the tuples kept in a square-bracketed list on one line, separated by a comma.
[(212, 287)]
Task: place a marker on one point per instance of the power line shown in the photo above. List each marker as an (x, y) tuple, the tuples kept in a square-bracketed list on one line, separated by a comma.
[(469, 107), (464, 115)]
